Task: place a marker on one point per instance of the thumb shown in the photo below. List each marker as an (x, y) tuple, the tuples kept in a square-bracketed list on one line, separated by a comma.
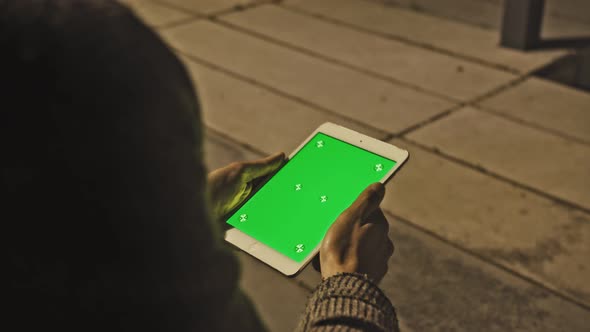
[(368, 201), (258, 168)]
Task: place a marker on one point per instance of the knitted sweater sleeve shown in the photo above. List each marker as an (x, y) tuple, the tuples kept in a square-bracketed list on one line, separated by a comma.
[(348, 302)]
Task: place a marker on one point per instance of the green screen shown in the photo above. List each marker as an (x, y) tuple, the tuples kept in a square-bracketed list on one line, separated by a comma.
[(293, 210)]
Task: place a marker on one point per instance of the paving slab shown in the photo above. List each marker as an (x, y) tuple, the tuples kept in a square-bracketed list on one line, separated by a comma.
[(527, 155), (220, 151), (208, 6), (256, 116), (557, 28), (572, 10), (438, 288), (344, 91), (546, 104), (278, 299), (483, 13), (417, 66), (156, 14), (566, 19), (527, 233), (454, 37)]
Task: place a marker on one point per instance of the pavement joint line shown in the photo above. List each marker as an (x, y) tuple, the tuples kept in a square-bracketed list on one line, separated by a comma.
[(526, 123), (389, 137), (488, 260), (177, 8), (245, 146), (180, 22), (499, 89), (497, 176), (340, 63), (382, 133), (428, 121), (455, 108), (302, 284), (237, 9), (475, 103), (404, 40)]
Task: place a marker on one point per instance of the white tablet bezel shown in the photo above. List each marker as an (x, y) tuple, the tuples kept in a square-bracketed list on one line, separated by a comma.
[(283, 263)]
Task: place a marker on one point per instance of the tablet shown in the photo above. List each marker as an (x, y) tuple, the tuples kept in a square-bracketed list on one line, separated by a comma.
[(284, 221)]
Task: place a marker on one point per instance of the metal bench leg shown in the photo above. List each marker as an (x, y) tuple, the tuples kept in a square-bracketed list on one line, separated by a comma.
[(521, 23)]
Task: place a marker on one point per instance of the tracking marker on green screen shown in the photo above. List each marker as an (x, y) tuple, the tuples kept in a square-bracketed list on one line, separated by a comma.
[(293, 210)]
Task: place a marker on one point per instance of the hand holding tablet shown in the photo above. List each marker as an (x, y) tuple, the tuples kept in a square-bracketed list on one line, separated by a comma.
[(230, 185), (358, 240), (284, 222)]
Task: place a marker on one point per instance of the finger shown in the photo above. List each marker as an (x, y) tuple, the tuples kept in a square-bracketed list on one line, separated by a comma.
[(377, 217), (378, 233), (258, 168), (246, 192), (383, 271), (384, 247), (390, 248), (368, 201)]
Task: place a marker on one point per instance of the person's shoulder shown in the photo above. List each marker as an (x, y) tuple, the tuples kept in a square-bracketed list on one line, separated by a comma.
[(41, 22), (33, 11), (94, 8), (90, 16)]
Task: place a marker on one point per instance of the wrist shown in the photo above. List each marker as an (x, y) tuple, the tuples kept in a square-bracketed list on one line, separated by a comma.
[(329, 270)]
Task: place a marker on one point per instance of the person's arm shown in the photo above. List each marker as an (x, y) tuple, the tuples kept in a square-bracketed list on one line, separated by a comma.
[(348, 302), (353, 259)]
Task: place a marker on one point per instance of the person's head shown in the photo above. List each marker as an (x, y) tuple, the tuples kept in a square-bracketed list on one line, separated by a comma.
[(99, 133)]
